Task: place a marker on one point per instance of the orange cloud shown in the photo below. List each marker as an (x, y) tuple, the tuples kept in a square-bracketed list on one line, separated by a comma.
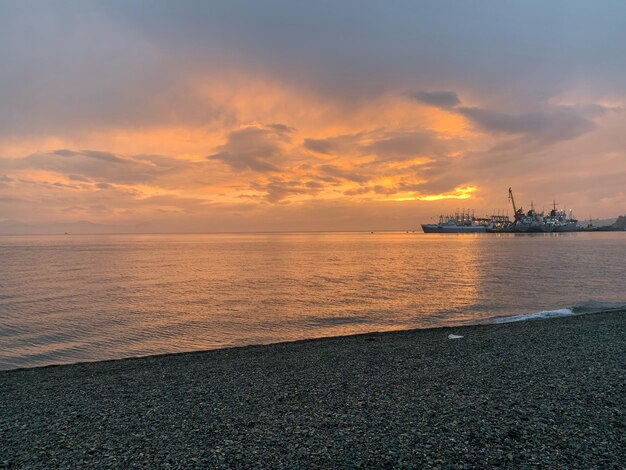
[(268, 145)]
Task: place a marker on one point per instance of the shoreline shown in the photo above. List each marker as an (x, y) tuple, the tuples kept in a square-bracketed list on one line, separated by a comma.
[(528, 393), (491, 321)]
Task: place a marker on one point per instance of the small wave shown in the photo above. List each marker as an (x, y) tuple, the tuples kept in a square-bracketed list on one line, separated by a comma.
[(562, 312), (581, 309)]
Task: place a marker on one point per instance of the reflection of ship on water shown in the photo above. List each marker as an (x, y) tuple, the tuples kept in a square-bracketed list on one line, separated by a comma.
[(523, 222), (533, 221)]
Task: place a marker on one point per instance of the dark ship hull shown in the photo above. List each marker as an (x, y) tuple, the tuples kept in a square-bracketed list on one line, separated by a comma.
[(556, 221)]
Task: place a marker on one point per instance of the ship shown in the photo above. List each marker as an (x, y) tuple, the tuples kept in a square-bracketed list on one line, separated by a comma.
[(459, 222), (536, 222), (558, 221), (531, 221)]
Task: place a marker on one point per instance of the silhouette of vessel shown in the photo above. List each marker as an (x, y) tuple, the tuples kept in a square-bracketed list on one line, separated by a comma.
[(537, 222)]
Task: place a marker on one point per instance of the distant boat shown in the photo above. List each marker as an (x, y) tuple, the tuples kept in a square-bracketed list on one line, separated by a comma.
[(460, 222)]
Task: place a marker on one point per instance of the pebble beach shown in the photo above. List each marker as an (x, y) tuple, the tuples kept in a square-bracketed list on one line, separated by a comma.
[(537, 394)]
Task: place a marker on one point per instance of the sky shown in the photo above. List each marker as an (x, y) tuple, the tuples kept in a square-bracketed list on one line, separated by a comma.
[(196, 116)]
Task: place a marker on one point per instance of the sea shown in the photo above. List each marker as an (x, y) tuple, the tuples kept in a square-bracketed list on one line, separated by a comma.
[(74, 298)]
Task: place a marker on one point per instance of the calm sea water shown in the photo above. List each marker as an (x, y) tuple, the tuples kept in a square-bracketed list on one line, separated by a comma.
[(72, 298)]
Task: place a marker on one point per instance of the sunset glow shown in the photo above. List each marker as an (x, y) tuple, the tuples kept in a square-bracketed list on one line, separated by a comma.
[(312, 234), (169, 125), (458, 193)]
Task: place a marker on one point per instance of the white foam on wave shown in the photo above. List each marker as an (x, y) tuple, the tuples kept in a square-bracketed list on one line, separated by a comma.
[(562, 312)]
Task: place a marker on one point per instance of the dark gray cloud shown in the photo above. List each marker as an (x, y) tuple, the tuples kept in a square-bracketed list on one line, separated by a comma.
[(74, 66), (78, 178), (93, 165), (401, 145), (441, 99), (443, 182), (546, 125), (281, 127), (344, 144), (105, 156), (118, 63), (331, 180), (279, 189), (97, 154), (253, 148), (314, 185), (325, 146), (359, 191), (58, 184), (553, 125), (240, 161), (65, 152), (384, 190), (355, 48), (335, 171)]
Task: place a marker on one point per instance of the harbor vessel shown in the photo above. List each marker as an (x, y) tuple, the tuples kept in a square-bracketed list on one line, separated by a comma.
[(448, 224), (465, 222), (536, 222), (530, 221)]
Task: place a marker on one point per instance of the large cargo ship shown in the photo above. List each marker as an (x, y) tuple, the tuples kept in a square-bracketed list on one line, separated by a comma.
[(536, 222), (451, 226)]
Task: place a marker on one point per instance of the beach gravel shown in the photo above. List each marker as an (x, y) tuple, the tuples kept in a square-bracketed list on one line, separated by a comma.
[(535, 394)]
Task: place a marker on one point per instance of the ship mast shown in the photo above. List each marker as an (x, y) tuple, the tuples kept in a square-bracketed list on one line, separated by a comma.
[(512, 200)]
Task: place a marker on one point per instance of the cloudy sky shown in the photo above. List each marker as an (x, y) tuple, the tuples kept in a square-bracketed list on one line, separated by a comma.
[(325, 115)]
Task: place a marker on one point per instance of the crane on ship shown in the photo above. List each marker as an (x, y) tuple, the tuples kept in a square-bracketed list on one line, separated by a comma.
[(517, 213)]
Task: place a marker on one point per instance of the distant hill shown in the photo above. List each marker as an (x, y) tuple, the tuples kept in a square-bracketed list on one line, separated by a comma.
[(600, 222), (620, 223)]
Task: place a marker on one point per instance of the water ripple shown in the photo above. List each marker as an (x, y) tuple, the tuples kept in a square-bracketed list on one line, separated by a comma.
[(85, 298)]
